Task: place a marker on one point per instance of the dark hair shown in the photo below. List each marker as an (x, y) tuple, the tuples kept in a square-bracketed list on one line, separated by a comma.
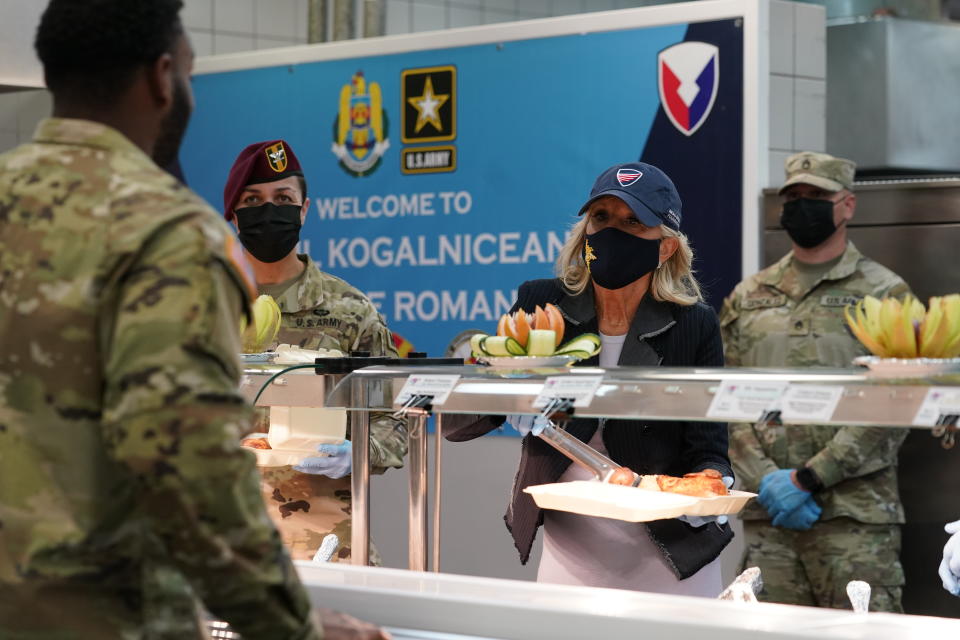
[(91, 49)]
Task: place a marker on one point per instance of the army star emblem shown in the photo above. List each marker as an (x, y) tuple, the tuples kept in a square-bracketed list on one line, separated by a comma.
[(428, 107)]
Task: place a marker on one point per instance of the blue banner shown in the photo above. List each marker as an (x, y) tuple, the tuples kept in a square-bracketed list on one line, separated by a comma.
[(442, 179)]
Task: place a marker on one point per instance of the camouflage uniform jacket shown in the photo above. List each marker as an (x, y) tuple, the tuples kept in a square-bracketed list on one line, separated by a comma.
[(771, 321), (322, 311), (123, 488)]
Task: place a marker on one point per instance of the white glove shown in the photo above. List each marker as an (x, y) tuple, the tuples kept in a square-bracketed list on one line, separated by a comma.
[(698, 521), (950, 565), (527, 424)]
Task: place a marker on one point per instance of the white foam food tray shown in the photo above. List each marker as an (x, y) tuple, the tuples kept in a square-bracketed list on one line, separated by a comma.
[(278, 457), (593, 498)]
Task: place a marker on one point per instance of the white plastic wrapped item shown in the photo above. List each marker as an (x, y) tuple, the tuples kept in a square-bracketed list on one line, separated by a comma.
[(745, 587), (859, 593), (327, 548), (292, 354)]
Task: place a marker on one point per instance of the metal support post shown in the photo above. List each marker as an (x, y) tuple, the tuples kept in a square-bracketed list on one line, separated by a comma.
[(437, 478), (360, 477), (417, 428)]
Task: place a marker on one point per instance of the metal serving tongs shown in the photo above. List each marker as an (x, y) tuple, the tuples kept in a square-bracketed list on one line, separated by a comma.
[(605, 469)]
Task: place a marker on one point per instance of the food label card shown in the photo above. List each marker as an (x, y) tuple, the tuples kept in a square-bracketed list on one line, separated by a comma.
[(745, 400), (810, 402), (438, 386), (580, 389), (940, 401)]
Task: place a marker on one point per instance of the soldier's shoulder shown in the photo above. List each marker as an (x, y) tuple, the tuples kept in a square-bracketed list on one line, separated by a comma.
[(162, 209), (153, 200), (11, 155), (338, 288), (874, 277), (758, 281)]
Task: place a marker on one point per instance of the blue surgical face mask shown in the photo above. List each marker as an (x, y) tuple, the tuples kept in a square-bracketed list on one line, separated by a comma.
[(616, 258)]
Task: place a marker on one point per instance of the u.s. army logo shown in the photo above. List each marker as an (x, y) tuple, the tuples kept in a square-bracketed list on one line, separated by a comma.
[(360, 130), (428, 113), (277, 157), (429, 101)]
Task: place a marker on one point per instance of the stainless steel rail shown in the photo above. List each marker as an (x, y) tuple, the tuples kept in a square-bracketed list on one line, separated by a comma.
[(437, 484), (360, 477), (417, 457)]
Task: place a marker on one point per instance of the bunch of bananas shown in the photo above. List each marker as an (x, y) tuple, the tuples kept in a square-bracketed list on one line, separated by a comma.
[(893, 329), (266, 324)]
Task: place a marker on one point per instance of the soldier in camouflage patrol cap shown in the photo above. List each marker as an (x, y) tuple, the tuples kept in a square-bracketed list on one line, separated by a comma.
[(831, 492), (265, 196)]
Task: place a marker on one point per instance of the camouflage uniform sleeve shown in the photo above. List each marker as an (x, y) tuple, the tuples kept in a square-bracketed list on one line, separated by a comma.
[(729, 314), (173, 418), (388, 436), (750, 461), (857, 451), (898, 290)]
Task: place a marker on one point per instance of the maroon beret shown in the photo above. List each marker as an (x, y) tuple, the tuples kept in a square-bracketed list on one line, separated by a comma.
[(259, 162)]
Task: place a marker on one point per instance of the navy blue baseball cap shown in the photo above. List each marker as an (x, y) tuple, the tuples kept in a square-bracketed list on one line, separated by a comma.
[(648, 192)]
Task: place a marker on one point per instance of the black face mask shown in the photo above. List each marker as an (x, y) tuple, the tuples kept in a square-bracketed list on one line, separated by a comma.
[(808, 222), (269, 231), (616, 258)]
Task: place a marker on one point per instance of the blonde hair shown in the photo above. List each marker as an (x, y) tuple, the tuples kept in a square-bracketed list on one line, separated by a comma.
[(673, 281)]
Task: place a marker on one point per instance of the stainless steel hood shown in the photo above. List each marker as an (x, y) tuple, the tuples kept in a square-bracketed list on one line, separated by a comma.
[(893, 87)]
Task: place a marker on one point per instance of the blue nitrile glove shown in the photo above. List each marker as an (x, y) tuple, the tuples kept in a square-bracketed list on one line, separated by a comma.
[(950, 565), (801, 518), (527, 424), (778, 493), (336, 464), (698, 521)]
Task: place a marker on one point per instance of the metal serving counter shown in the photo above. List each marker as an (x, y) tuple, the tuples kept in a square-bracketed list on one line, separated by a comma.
[(434, 605), (660, 393)]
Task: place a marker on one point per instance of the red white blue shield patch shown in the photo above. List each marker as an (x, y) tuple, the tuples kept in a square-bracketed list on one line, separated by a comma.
[(627, 177), (687, 76)]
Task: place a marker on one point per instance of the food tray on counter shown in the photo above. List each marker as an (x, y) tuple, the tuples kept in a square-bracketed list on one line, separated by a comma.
[(594, 498), (277, 457), (908, 367), (525, 362)]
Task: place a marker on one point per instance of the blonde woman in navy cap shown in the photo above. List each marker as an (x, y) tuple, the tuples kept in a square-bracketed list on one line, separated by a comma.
[(625, 274), (266, 198)]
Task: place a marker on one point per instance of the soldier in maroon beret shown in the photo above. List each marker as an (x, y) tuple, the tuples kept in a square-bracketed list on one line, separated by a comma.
[(265, 197)]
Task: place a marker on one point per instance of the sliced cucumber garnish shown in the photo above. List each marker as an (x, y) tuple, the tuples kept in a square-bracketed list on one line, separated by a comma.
[(541, 342)]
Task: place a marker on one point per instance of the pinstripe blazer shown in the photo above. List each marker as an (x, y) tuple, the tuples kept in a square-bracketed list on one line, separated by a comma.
[(661, 334)]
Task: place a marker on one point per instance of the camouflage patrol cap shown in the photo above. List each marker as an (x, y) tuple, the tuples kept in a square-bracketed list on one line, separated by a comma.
[(820, 170), (260, 162)]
